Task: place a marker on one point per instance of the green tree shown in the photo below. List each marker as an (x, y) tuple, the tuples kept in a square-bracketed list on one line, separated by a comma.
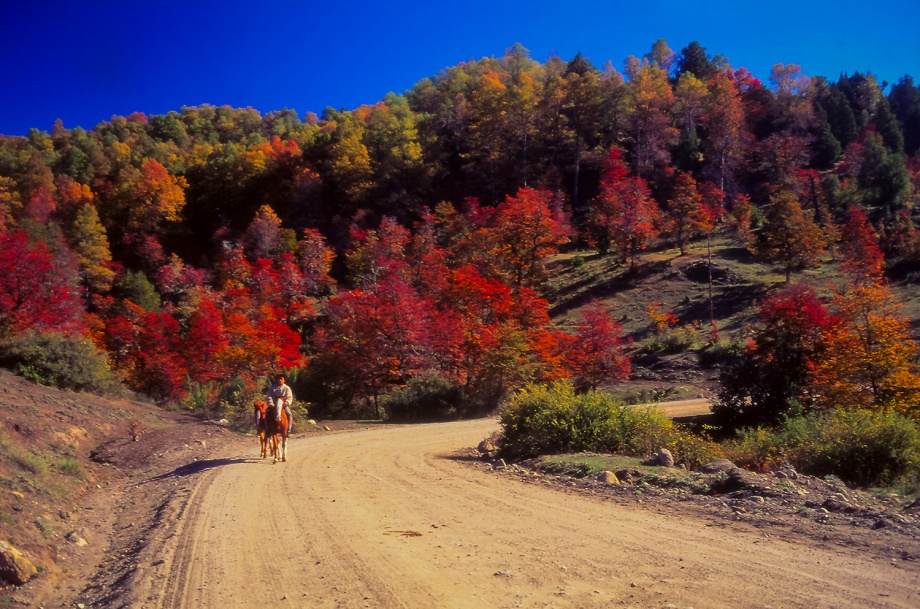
[(135, 287), (690, 103), (883, 179), (661, 55), (523, 91), (581, 107), (840, 117), (693, 59), (904, 99), (886, 123), (790, 236)]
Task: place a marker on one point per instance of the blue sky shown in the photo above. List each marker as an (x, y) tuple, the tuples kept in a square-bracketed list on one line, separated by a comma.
[(84, 62)]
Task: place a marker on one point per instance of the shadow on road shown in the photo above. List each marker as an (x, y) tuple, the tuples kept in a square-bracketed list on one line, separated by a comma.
[(200, 466), (466, 458)]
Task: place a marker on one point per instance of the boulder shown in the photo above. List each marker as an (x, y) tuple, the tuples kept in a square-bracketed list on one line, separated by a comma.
[(14, 567), (738, 479), (487, 447), (835, 504), (665, 458), (77, 537), (608, 477), (719, 465)]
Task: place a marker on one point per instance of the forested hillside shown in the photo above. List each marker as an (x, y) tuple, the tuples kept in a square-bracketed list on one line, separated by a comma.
[(403, 245)]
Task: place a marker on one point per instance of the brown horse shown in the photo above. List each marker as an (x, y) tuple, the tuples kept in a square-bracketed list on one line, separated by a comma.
[(278, 433), (261, 410)]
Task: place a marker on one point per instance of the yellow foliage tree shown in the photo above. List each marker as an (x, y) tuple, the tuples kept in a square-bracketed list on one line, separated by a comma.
[(869, 355), (157, 196), (92, 246)]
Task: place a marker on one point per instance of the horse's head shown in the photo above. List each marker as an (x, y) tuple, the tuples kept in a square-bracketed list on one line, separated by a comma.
[(261, 407)]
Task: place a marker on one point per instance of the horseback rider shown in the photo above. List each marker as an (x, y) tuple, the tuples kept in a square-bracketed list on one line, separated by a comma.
[(280, 396)]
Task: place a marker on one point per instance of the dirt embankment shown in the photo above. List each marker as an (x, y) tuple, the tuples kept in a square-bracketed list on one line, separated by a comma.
[(410, 516)]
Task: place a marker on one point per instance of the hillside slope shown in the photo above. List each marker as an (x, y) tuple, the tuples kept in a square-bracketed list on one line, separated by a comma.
[(680, 283), (74, 464)]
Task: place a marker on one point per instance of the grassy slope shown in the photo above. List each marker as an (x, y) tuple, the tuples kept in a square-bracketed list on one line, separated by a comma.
[(680, 283)]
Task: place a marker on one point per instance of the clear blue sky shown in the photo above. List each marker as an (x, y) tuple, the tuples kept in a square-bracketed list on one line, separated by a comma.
[(84, 62)]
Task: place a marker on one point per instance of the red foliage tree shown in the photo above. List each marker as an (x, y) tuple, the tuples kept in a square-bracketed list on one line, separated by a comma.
[(860, 254), (37, 291), (205, 341), (374, 255), (427, 258), (121, 329), (40, 205), (160, 366), (869, 359), (378, 337), (495, 347), (624, 214), (773, 373), (687, 215), (315, 259), (521, 233), (597, 355)]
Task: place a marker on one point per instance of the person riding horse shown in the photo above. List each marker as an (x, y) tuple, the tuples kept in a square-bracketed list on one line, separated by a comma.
[(280, 397)]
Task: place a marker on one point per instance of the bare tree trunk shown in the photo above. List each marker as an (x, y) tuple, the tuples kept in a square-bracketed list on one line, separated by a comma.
[(712, 317)]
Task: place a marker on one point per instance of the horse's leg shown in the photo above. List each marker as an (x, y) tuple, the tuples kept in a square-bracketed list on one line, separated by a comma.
[(284, 447), (275, 448)]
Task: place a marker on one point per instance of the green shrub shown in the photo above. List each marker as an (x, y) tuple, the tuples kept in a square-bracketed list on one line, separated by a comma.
[(135, 286), (46, 529), (200, 398), (543, 420), (861, 447), (858, 446), (71, 467), (236, 400), (636, 430), (675, 340), (22, 458), (757, 448), (692, 450), (427, 399), (30, 462), (721, 353), (232, 400), (58, 360)]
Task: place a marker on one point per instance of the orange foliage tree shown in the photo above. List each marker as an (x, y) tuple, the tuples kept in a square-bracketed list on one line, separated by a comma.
[(869, 357)]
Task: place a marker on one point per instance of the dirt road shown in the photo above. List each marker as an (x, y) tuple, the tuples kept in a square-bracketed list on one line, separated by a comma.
[(395, 517)]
